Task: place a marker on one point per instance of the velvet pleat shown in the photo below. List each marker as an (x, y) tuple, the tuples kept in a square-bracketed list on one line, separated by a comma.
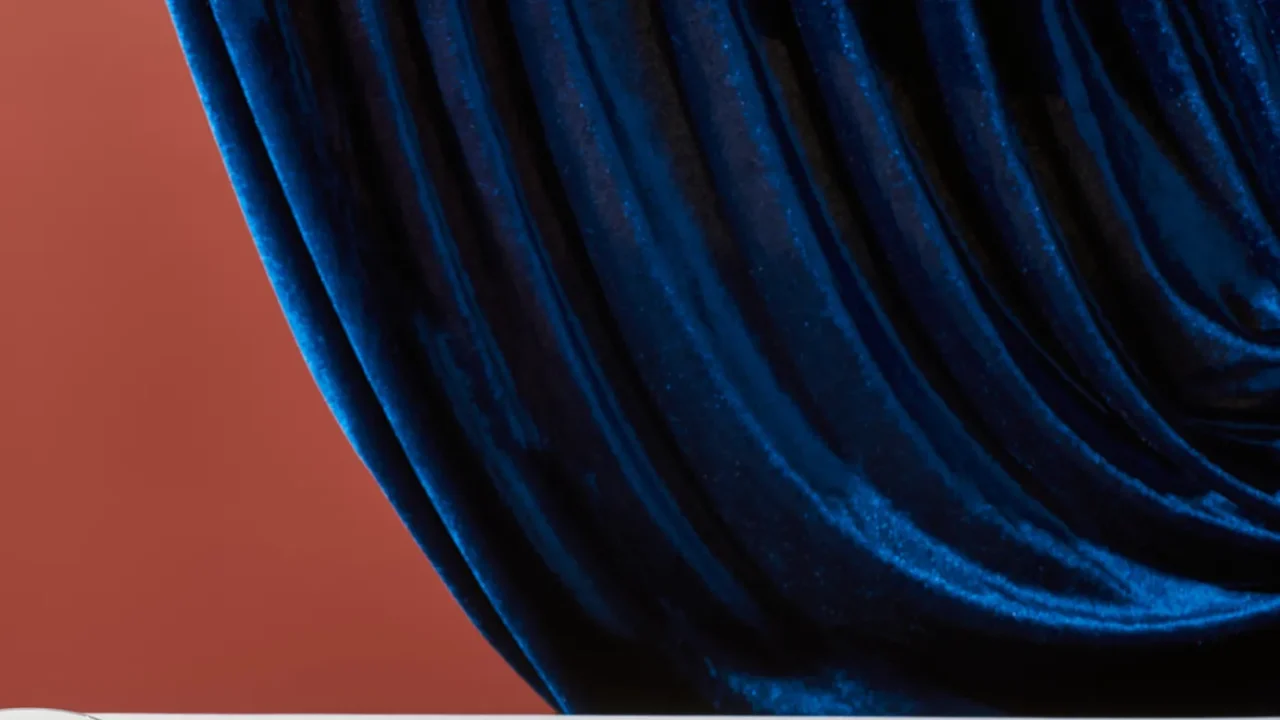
[(822, 356)]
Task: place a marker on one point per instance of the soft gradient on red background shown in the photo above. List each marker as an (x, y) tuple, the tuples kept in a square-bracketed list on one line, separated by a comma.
[(183, 527)]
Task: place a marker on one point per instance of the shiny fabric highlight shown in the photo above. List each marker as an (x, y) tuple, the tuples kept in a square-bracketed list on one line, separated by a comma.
[(814, 357)]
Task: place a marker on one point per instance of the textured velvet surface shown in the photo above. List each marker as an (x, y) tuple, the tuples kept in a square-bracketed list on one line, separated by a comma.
[(822, 356)]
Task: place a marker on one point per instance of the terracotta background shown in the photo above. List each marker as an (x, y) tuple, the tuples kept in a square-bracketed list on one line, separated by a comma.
[(182, 525)]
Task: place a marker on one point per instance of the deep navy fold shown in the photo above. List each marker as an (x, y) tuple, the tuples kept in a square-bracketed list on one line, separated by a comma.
[(817, 357)]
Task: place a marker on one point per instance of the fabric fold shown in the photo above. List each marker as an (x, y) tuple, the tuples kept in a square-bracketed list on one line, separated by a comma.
[(811, 357)]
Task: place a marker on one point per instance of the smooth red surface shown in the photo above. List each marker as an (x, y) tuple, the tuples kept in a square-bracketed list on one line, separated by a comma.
[(183, 527)]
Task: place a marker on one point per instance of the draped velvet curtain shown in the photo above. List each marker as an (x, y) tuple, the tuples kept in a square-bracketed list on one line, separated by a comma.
[(820, 356)]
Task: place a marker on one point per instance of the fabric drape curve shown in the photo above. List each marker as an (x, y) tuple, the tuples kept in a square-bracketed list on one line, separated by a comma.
[(811, 357)]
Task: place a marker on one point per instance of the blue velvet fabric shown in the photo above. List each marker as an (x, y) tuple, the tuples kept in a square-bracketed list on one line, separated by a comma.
[(811, 357)]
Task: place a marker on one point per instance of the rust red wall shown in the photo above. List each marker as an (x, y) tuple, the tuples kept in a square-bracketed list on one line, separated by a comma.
[(182, 525)]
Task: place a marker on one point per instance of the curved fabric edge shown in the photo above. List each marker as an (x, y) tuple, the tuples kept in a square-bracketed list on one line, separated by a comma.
[(318, 333)]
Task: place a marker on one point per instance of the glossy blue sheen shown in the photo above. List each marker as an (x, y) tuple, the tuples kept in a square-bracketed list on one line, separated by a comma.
[(796, 357)]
